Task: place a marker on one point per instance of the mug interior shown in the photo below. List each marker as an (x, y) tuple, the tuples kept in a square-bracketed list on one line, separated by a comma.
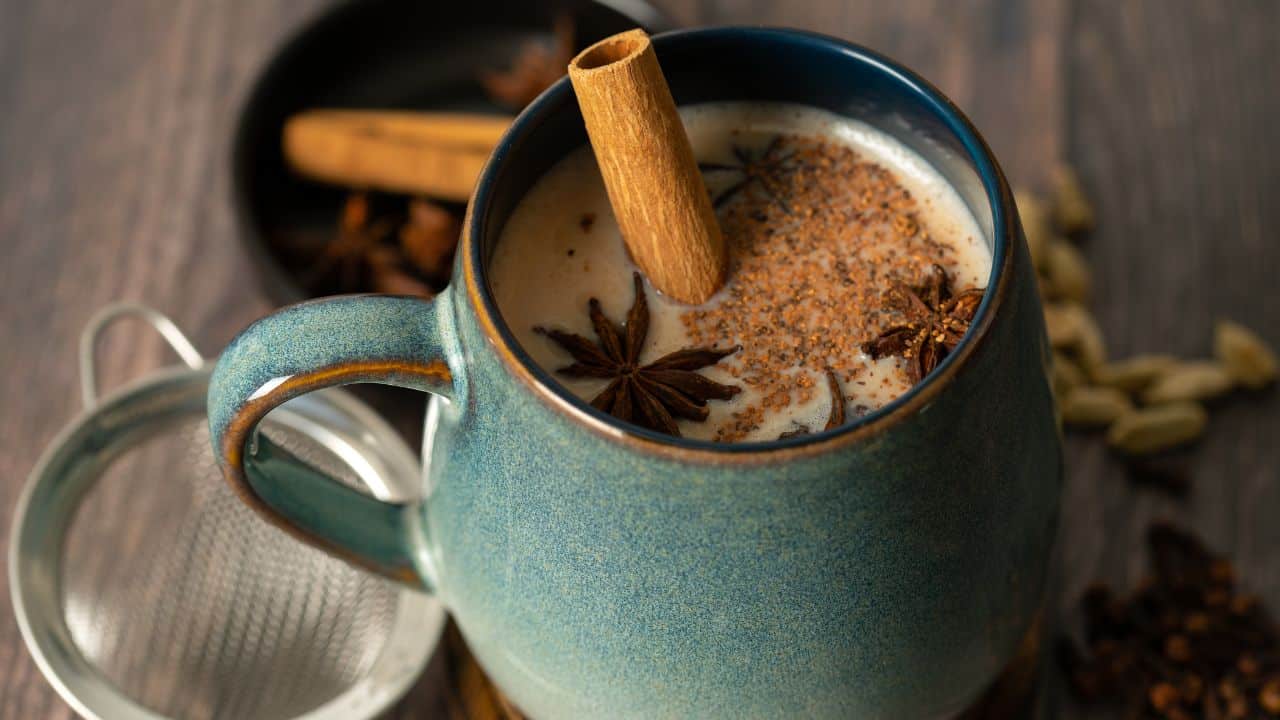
[(770, 66)]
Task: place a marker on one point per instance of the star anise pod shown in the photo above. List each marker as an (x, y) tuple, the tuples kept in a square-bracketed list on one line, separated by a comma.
[(344, 258), (535, 67), (651, 395), (757, 171), (934, 323), (388, 274), (835, 418), (429, 237)]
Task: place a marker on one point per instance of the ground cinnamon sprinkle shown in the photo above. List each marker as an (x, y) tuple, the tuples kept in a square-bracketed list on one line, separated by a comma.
[(817, 235)]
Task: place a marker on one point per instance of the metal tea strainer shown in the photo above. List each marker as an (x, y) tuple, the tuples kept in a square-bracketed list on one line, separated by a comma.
[(145, 589)]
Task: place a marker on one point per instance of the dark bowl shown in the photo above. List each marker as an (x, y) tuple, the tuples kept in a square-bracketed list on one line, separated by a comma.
[(377, 54)]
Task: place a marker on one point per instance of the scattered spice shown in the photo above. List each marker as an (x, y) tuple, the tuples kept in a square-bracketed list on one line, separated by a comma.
[(1063, 323), (1067, 376), (651, 395), (1036, 226), (429, 237), (1091, 405), (1185, 644), (1197, 380), (1134, 374), (389, 275), (587, 220), (369, 254), (1157, 428), (536, 66), (1090, 349), (344, 259), (1251, 362), (1067, 274), (1072, 211), (935, 322), (1169, 388)]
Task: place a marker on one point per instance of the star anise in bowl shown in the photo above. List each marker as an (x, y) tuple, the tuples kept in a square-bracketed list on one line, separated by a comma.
[(385, 244), (651, 395)]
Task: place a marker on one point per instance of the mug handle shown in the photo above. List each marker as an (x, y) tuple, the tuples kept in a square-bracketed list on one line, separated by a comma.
[(393, 340)]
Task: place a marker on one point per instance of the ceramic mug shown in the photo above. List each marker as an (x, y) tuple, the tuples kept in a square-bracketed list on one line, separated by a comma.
[(885, 569)]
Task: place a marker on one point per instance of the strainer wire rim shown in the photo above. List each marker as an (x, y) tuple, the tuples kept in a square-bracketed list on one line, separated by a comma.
[(418, 621)]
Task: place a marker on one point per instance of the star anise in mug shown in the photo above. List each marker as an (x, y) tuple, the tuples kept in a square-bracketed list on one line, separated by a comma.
[(757, 170), (934, 322), (651, 395), (835, 417)]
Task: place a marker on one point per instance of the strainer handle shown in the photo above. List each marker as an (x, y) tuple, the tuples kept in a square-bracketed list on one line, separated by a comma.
[(105, 317), (306, 347)]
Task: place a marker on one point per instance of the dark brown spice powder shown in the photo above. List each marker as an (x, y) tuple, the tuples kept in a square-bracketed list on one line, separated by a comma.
[(817, 235)]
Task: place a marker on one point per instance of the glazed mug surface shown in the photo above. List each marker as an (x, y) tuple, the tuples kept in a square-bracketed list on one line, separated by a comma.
[(887, 568)]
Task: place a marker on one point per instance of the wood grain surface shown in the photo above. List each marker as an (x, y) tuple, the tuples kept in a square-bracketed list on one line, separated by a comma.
[(115, 124)]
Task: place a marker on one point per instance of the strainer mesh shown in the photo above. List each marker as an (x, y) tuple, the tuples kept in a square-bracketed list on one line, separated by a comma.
[(194, 607)]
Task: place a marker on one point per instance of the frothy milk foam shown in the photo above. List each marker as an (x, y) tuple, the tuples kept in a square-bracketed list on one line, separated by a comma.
[(561, 247)]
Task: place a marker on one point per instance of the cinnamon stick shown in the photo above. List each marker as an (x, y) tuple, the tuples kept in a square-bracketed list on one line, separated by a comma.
[(418, 153), (653, 182)]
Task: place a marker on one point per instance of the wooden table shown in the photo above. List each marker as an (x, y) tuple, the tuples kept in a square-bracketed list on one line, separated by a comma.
[(115, 119)]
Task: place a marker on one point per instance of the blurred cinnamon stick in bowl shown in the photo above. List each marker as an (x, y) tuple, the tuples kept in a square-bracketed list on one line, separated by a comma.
[(438, 155)]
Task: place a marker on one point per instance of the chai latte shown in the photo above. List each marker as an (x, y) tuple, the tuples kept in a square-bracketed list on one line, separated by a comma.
[(822, 215)]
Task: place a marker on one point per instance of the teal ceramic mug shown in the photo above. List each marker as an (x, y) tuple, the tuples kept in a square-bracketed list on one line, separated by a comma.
[(885, 569)]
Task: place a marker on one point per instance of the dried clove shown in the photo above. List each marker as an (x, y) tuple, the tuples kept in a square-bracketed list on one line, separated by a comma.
[(1184, 644)]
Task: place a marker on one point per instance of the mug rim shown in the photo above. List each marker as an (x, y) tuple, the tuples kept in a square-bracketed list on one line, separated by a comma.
[(518, 362)]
